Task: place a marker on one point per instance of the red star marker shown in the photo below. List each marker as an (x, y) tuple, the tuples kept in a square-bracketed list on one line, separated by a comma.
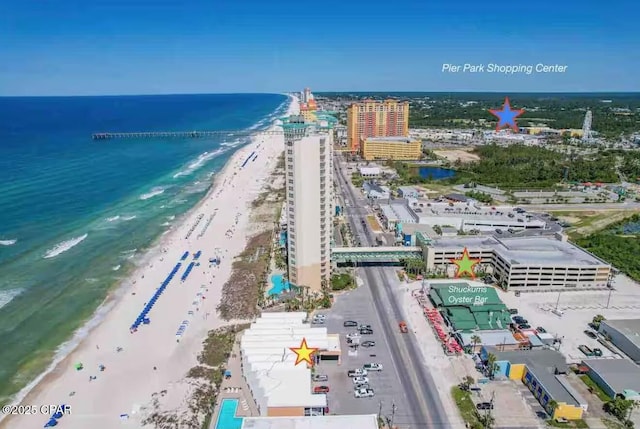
[(304, 353), (465, 264)]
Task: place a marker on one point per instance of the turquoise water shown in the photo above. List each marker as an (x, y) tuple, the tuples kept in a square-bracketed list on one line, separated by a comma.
[(279, 285), (76, 214), (436, 173), (283, 239), (227, 417)]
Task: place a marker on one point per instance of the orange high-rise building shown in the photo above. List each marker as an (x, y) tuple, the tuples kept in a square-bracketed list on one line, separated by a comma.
[(369, 118)]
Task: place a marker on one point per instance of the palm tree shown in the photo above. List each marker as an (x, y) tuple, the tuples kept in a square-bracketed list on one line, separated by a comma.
[(491, 365), (551, 407), (475, 340), (486, 420)]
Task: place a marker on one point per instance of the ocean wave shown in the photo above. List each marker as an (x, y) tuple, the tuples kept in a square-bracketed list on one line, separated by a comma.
[(126, 218), (8, 242), (6, 296), (113, 218), (199, 162), (64, 246), (166, 224), (116, 268), (155, 191), (172, 217)]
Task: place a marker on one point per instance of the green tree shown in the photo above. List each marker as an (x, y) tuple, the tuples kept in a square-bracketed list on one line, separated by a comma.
[(597, 319), (475, 340), (619, 408), (491, 364)]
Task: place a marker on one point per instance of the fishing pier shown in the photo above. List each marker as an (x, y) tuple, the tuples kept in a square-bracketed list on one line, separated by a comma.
[(182, 134)]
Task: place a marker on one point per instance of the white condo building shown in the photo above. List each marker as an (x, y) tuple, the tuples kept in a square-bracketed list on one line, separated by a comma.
[(309, 189)]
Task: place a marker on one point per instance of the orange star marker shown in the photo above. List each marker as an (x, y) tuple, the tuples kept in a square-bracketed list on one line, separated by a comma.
[(304, 353), (465, 264)]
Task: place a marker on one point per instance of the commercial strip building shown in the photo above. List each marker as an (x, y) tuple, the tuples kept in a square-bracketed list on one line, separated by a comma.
[(393, 147), (465, 216), (543, 372), (624, 334), (364, 421), (309, 188), (371, 118), (528, 263), (615, 376), (279, 386), (376, 192)]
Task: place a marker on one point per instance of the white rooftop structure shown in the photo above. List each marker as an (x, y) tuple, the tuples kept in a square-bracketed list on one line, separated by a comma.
[(468, 216), (367, 421), (541, 250), (370, 171), (269, 363)]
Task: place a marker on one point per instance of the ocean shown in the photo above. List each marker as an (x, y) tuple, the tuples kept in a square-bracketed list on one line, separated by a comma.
[(77, 214)]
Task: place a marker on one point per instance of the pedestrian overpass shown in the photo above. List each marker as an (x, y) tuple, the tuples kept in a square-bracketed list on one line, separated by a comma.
[(391, 254)]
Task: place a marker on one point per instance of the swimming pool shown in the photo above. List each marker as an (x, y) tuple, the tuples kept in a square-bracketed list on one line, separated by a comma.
[(227, 416), (279, 285)]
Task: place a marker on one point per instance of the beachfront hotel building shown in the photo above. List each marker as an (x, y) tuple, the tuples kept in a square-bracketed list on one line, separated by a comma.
[(279, 386), (371, 118), (523, 263), (394, 147), (309, 188)]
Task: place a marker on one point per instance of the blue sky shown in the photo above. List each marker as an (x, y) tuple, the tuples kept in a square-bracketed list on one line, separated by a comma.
[(82, 47)]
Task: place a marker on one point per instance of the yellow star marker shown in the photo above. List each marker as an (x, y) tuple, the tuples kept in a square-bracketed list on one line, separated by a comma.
[(304, 353), (465, 264)]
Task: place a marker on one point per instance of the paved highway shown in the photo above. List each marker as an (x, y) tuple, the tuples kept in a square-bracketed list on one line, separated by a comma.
[(627, 205), (424, 406)]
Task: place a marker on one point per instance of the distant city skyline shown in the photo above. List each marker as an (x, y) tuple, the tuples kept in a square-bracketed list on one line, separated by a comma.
[(118, 48)]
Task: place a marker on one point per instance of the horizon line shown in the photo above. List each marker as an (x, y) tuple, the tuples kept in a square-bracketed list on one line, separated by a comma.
[(325, 92)]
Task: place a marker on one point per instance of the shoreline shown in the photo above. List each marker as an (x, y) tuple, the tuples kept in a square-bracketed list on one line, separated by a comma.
[(127, 289)]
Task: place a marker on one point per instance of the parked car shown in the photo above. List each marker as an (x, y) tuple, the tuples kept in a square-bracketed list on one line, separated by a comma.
[(318, 321), (350, 323), (597, 352), (360, 380), (365, 327), (513, 311), (524, 326), (364, 393), (358, 372), (590, 334), (484, 406), (358, 386), (541, 330), (320, 377), (372, 366), (519, 319), (366, 331), (321, 389), (586, 350), (353, 335), (499, 231), (368, 344)]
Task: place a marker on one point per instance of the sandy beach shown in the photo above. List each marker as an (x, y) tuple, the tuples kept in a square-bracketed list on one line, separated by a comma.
[(153, 358)]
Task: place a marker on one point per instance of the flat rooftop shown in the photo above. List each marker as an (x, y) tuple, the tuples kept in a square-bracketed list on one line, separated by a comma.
[(367, 421), (398, 212), (630, 328), (541, 250), (619, 374), (468, 211)]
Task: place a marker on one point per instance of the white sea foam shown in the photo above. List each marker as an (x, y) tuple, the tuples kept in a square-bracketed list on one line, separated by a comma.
[(116, 268), (6, 296), (199, 162), (166, 224), (155, 191), (126, 218), (7, 242), (64, 246), (172, 217), (113, 218)]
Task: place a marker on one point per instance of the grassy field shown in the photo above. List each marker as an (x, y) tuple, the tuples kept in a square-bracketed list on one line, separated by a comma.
[(465, 405), (587, 222), (596, 389)]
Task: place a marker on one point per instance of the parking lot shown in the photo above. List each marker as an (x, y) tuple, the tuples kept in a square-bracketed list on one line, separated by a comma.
[(578, 309), (357, 305)]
